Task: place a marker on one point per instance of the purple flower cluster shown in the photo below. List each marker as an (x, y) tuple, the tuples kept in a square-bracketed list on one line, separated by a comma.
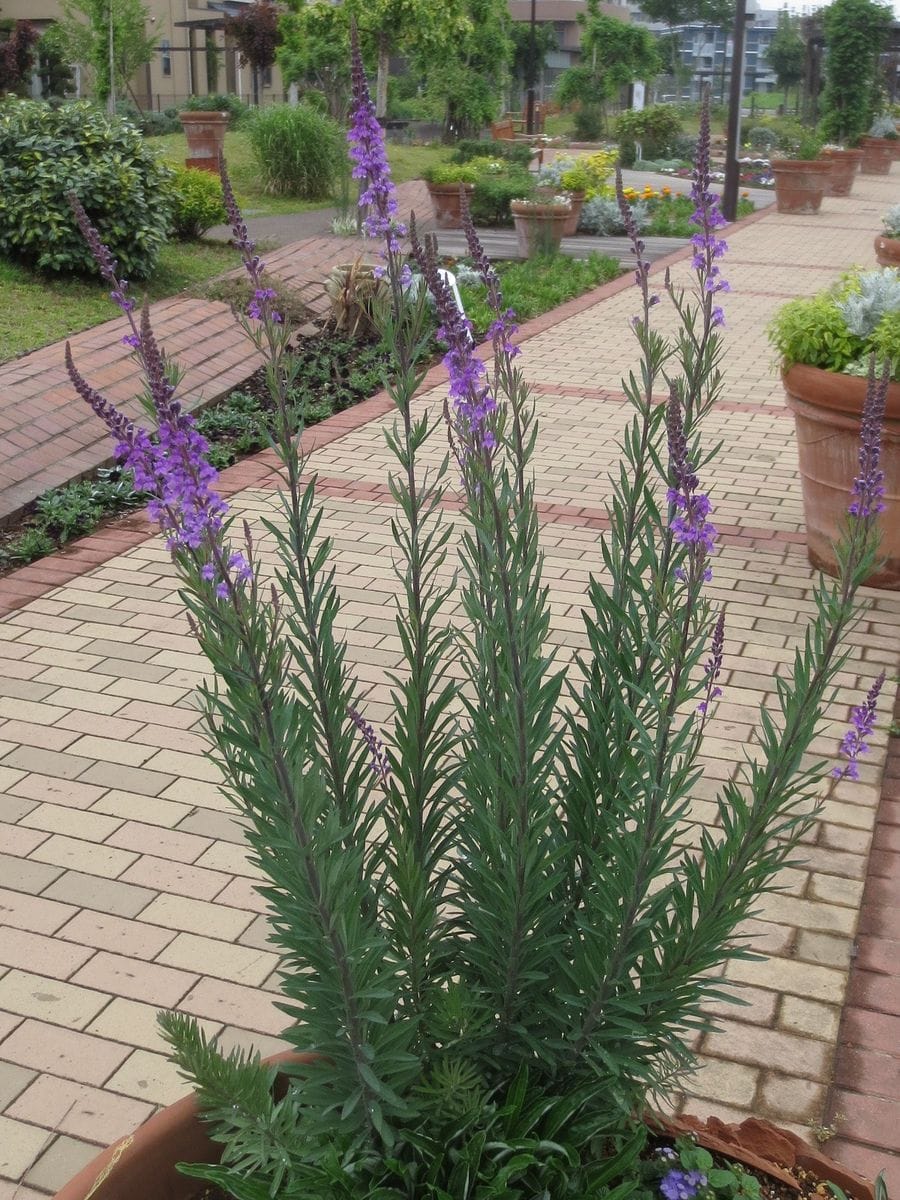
[(367, 150), (504, 326), (173, 469), (868, 486), (854, 743), (692, 507), (260, 307), (713, 667), (473, 402), (707, 217), (378, 759), (682, 1185)]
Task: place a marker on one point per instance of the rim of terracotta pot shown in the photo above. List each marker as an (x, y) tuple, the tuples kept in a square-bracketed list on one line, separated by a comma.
[(520, 208), (449, 187), (841, 154), (818, 166), (868, 140), (203, 115), (835, 391)]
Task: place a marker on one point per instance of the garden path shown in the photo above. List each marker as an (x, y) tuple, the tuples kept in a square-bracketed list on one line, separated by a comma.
[(124, 885)]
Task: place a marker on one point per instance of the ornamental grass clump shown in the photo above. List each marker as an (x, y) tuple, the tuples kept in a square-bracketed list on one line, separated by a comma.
[(495, 941)]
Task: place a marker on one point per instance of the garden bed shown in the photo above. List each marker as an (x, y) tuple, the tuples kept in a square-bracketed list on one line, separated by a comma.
[(336, 372)]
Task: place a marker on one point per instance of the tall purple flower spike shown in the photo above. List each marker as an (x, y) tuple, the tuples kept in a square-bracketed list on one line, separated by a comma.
[(713, 667), (853, 743), (260, 307), (378, 759), (174, 469), (367, 150), (504, 326), (707, 217), (692, 507), (473, 402), (868, 486)]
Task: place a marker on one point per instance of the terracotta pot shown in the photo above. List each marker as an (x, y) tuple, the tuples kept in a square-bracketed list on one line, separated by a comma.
[(205, 133), (887, 251), (539, 227), (141, 1166), (765, 1147), (576, 199), (844, 166), (877, 155), (800, 185), (446, 200), (827, 407)]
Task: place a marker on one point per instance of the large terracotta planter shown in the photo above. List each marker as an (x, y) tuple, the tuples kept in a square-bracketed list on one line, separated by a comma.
[(141, 1166), (887, 251), (800, 185), (446, 200), (844, 166), (539, 227), (576, 199), (205, 133), (827, 408), (877, 155)]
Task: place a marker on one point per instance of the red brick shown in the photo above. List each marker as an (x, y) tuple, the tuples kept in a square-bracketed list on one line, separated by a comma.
[(868, 1119), (879, 954), (869, 1071), (866, 1161), (878, 992), (870, 1030)]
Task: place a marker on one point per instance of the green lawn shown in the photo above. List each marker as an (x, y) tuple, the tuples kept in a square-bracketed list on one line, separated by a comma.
[(37, 309)]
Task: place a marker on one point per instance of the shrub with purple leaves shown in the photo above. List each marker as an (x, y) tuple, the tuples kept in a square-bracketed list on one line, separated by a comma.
[(495, 938)]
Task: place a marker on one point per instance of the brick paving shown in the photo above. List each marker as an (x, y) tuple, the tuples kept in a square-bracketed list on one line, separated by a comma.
[(124, 885)]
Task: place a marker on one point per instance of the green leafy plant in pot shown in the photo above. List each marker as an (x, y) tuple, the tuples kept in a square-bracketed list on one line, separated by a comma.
[(826, 344), (887, 244), (446, 182), (496, 944), (879, 146), (801, 178)]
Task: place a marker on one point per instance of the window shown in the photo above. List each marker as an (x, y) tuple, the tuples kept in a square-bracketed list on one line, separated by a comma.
[(165, 49)]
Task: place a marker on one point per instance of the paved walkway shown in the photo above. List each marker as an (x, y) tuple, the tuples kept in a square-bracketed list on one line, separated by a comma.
[(124, 884)]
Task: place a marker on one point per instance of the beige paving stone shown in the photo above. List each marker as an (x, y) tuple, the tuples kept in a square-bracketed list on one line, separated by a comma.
[(71, 822), (231, 857), (727, 1082), (160, 714), (149, 1077), (224, 826), (149, 839), (20, 841), (65, 1052), (21, 911), (42, 955), (251, 1043), (74, 1108), (196, 916), (68, 792), (13, 1081), (828, 949), (131, 806), (20, 1145), (116, 934), (75, 854), (786, 975), (100, 703), (105, 895), (135, 1025), (767, 1048), (180, 879), (810, 1018), (233, 1004), (63, 1159), (222, 960), (48, 999), (120, 777), (118, 975), (23, 875), (14, 808), (31, 733), (50, 762)]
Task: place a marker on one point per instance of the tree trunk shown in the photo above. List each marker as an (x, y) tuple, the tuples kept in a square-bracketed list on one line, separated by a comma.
[(381, 83)]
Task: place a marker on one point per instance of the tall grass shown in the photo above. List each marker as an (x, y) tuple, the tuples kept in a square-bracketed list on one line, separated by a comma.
[(297, 150)]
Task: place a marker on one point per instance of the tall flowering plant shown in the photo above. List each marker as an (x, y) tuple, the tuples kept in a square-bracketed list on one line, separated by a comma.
[(495, 943)]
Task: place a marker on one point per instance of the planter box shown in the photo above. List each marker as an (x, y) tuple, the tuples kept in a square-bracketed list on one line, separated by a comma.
[(887, 251), (539, 227), (844, 168), (877, 155), (446, 200), (799, 185), (205, 133), (827, 408)]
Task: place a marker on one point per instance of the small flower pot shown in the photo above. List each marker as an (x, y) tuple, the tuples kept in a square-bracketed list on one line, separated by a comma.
[(877, 155), (827, 407), (539, 227), (844, 168), (576, 199), (887, 251), (446, 200), (205, 133), (800, 185)]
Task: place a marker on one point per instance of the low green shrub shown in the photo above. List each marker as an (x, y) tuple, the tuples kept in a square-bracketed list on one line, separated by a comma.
[(655, 128), (237, 110), (443, 173), (589, 123), (150, 123), (197, 203), (493, 194), (297, 150), (46, 152), (516, 153)]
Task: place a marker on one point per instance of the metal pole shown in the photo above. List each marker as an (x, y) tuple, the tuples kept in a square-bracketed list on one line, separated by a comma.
[(532, 70), (733, 137), (111, 97)]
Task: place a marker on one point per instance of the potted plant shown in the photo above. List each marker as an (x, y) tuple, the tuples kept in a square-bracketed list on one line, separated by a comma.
[(446, 183), (887, 244), (879, 146), (205, 133), (825, 343), (844, 167), (540, 223), (801, 180), (494, 935)]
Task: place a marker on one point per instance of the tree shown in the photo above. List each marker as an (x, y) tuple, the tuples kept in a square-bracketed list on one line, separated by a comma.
[(17, 54), (613, 54), (469, 75), (530, 52), (313, 51), (83, 36), (856, 31), (716, 13), (786, 54), (256, 32)]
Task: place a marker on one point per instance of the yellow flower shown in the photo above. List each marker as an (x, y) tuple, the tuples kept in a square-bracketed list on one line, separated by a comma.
[(667, 191)]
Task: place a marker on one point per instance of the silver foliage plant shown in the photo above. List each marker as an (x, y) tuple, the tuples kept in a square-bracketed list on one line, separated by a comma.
[(497, 936)]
